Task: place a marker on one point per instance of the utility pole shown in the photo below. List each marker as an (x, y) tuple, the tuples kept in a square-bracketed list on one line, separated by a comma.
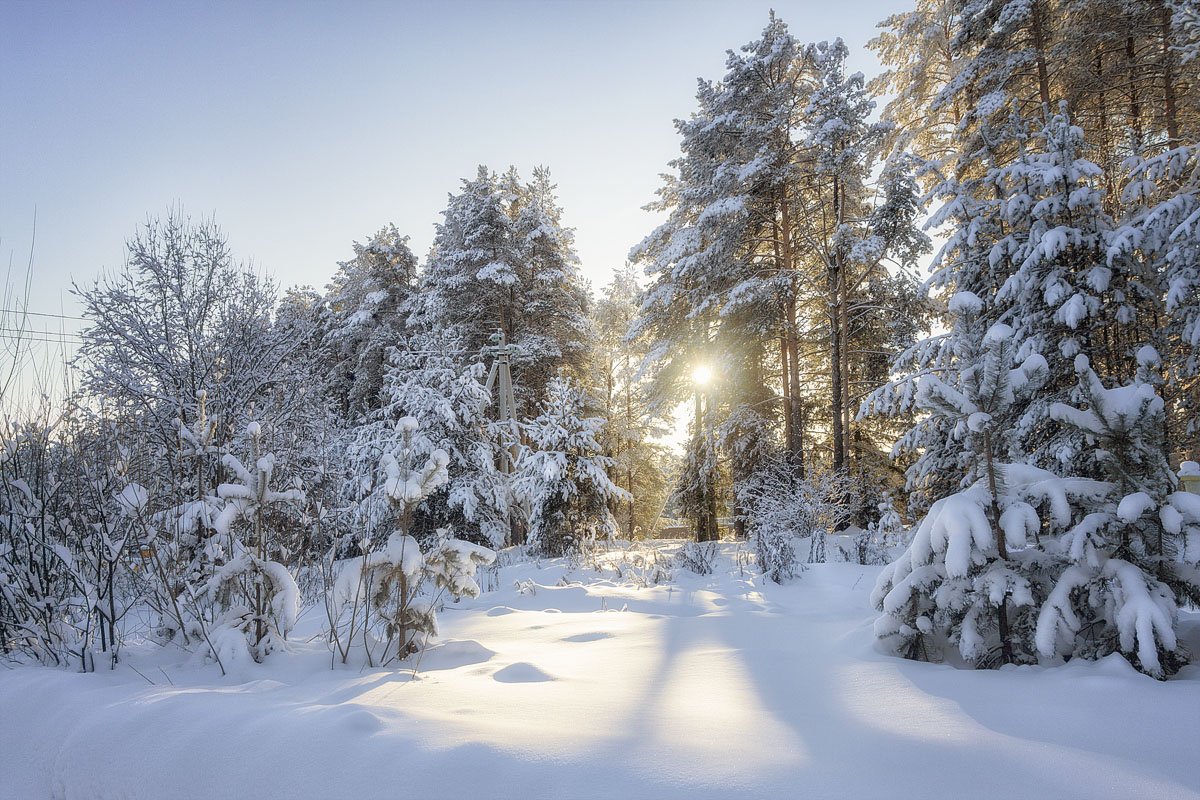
[(500, 380)]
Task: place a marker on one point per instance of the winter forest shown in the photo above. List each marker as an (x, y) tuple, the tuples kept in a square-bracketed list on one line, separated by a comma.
[(872, 472)]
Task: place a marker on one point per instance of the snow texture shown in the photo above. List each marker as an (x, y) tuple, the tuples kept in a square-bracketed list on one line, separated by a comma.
[(595, 686)]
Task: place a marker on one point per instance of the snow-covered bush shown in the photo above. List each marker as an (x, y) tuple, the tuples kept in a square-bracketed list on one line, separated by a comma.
[(875, 545), (67, 518), (42, 605), (385, 601), (699, 558), (782, 508)]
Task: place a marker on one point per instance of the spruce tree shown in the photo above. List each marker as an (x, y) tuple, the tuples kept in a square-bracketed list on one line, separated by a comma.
[(562, 474)]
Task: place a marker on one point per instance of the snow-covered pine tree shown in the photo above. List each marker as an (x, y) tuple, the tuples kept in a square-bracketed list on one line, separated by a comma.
[(252, 598), (472, 276), (502, 261), (915, 49), (367, 304), (741, 270), (1161, 229), (1129, 556), (632, 421), (556, 332), (429, 381), (562, 475), (723, 267), (1070, 292), (838, 146), (1185, 20), (973, 262)]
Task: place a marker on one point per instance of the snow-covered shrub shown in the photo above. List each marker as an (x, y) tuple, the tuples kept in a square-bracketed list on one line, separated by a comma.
[(385, 601), (699, 558), (66, 521), (42, 605), (250, 599), (882, 536), (562, 476), (1127, 555), (781, 508)]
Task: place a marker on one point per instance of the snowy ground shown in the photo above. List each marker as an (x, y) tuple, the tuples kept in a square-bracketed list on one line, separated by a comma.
[(708, 687)]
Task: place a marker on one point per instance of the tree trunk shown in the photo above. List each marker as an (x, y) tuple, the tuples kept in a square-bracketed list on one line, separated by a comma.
[(1135, 106), (1006, 651), (789, 435), (844, 366), (794, 408), (1039, 45), (1170, 112)]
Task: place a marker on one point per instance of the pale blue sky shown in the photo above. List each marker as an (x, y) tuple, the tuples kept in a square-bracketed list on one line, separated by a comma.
[(307, 125)]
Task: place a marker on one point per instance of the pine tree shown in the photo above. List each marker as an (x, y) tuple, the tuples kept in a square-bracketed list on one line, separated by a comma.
[(502, 262), (385, 601), (429, 382), (367, 307), (556, 331), (775, 233), (1067, 294)]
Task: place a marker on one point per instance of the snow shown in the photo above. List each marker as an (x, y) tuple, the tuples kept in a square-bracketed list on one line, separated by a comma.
[(1133, 506), (997, 333), (965, 303), (596, 685), (957, 527), (132, 499), (1073, 312)]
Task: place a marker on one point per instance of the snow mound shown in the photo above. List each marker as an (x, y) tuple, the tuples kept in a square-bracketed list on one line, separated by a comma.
[(455, 654), (521, 672)]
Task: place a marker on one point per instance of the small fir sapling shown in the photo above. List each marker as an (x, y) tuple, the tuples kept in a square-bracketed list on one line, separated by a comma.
[(957, 582), (1127, 556), (875, 545), (449, 402), (381, 601), (254, 598)]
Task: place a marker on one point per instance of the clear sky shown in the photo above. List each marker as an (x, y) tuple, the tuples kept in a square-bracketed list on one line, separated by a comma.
[(303, 125)]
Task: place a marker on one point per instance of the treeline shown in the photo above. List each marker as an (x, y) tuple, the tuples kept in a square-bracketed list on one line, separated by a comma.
[(225, 441), (1028, 403), (1051, 147)]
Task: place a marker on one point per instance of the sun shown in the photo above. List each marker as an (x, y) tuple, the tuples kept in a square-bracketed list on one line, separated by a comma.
[(702, 375)]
